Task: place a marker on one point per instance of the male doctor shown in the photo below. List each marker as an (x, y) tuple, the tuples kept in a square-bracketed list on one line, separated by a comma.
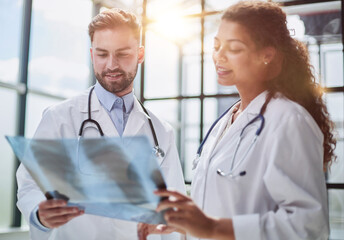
[(115, 53)]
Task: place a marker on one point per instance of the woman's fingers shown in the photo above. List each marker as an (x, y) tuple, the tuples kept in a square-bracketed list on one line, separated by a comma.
[(171, 193), (143, 230), (176, 205)]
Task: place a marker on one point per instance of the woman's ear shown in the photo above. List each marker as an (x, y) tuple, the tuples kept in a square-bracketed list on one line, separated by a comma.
[(268, 54)]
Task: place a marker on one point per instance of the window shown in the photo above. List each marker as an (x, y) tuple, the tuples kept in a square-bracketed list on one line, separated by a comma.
[(178, 81), (10, 25)]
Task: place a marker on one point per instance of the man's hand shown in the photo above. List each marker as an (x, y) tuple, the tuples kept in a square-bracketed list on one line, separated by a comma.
[(144, 229), (54, 213)]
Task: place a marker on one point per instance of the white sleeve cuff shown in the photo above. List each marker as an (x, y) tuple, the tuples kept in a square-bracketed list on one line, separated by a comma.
[(35, 221), (246, 227)]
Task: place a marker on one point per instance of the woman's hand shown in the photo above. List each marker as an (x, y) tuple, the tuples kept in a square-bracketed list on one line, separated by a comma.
[(144, 229), (182, 213)]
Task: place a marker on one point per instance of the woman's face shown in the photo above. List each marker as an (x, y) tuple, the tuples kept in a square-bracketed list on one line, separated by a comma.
[(236, 58)]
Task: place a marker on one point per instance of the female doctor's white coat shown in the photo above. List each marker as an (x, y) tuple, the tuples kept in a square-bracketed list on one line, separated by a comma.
[(64, 120), (283, 194)]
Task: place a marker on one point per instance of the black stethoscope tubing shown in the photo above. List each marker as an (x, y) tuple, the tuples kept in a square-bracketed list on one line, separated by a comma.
[(158, 150)]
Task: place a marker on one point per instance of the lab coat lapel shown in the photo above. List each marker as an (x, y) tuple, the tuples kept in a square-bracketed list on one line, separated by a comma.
[(136, 120), (251, 111), (216, 133)]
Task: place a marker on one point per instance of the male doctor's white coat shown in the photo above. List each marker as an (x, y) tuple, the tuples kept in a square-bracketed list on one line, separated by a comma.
[(64, 120), (283, 195)]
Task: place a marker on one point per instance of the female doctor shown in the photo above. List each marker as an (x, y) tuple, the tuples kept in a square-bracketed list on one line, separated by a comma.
[(260, 171)]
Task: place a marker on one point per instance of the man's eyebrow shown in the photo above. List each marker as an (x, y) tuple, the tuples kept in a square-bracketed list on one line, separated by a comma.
[(117, 50), (100, 49), (123, 49)]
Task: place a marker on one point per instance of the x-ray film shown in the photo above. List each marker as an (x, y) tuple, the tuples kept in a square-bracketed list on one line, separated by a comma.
[(111, 177)]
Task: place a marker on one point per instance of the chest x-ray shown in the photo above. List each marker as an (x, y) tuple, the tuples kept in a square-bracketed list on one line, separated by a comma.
[(111, 177)]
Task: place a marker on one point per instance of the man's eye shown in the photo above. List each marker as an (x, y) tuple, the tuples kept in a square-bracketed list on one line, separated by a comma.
[(123, 55), (102, 55)]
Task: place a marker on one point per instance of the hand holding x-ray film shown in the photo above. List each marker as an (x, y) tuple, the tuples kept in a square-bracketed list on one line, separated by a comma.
[(111, 177)]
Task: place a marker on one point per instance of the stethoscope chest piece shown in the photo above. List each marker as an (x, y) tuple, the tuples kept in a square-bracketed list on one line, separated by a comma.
[(158, 152)]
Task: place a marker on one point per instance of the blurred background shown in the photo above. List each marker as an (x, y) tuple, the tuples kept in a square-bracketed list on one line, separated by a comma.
[(44, 58)]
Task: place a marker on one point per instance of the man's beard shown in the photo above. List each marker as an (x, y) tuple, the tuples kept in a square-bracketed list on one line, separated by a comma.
[(116, 86)]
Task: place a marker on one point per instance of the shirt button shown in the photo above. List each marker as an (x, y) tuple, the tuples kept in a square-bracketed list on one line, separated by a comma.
[(118, 100)]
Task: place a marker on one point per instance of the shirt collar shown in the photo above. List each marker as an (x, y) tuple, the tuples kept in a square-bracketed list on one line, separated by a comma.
[(107, 99)]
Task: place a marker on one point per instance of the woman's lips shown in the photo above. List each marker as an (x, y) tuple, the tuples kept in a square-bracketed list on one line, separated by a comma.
[(221, 71)]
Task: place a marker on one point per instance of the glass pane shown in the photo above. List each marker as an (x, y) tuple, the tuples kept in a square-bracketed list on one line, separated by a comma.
[(166, 110), (314, 52), (167, 8), (10, 25), (318, 25), (191, 75), (332, 67), (59, 47), (161, 67), (335, 105), (7, 127), (336, 210), (36, 104), (191, 66), (189, 134), (173, 51), (214, 108), (132, 5), (218, 5)]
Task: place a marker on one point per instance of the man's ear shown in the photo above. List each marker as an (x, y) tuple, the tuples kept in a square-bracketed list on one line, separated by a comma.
[(91, 52), (268, 54), (141, 54)]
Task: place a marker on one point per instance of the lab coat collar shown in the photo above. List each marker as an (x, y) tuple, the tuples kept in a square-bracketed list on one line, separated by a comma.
[(138, 108), (83, 102), (255, 105)]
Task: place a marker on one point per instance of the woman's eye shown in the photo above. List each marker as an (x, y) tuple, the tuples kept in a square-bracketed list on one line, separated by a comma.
[(235, 50)]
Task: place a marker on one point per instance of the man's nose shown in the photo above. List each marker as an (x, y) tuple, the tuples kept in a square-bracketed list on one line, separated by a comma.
[(112, 63)]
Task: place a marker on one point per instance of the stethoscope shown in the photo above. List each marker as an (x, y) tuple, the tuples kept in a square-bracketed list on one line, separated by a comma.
[(156, 149), (232, 168)]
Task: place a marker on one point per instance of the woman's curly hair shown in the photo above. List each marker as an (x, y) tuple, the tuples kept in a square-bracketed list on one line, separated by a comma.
[(266, 24)]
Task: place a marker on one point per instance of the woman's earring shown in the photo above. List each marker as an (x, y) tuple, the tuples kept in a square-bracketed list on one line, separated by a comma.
[(266, 63)]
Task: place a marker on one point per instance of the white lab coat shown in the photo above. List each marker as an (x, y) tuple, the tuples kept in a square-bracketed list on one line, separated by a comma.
[(283, 194), (64, 120)]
